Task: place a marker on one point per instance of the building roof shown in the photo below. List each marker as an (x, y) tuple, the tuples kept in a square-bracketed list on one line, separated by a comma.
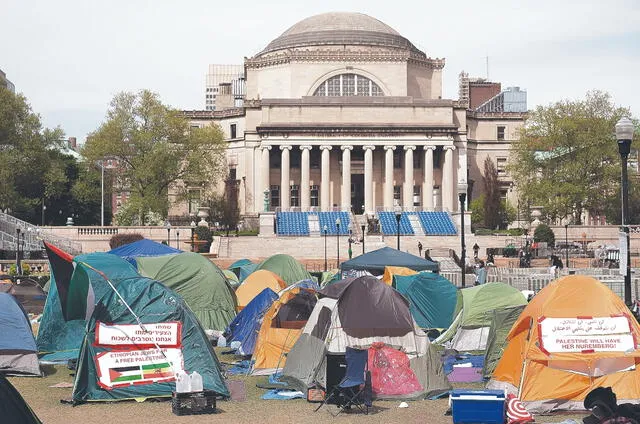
[(340, 28)]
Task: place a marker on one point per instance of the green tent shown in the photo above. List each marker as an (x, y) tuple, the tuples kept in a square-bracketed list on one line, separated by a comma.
[(502, 320), (287, 268), (202, 285), (470, 329), (59, 340), (112, 366), (432, 298)]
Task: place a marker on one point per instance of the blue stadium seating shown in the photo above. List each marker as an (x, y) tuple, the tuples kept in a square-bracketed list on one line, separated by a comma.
[(389, 225), (437, 223), (292, 223), (329, 219)]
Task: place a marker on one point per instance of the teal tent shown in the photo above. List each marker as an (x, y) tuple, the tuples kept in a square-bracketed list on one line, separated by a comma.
[(59, 340), (246, 270), (432, 298), (375, 261), (239, 263), (285, 267), (112, 366)]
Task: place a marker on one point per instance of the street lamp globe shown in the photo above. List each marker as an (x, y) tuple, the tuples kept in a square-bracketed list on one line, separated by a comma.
[(624, 129)]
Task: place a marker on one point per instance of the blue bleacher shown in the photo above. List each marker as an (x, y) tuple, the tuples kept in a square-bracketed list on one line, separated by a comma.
[(389, 225), (437, 223), (329, 219), (292, 223)]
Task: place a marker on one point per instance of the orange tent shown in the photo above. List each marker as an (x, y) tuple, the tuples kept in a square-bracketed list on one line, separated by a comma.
[(574, 335), (255, 283), (390, 271), (281, 327)]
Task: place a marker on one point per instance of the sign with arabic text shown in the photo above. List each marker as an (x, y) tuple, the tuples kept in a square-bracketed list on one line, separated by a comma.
[(586, 334)]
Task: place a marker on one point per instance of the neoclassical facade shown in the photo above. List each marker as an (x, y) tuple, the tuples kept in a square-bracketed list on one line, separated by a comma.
[(344, 113)]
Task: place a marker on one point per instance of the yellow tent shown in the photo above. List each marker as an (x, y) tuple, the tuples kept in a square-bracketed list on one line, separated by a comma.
[(255, 283), (280, 329), (574, 335), (390, 271)]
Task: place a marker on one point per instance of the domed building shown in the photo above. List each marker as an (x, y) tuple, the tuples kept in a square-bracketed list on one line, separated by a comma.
[(341, 112)]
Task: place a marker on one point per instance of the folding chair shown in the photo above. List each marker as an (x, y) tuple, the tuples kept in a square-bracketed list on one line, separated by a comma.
[(355, 388)]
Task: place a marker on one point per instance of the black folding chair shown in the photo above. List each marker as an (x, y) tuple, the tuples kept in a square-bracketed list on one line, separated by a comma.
[(355, 388)]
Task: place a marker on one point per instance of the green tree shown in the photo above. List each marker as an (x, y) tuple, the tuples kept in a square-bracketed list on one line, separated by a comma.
[(156, 150), (477, 211), (492, 195), (566, 160), (544, 233)]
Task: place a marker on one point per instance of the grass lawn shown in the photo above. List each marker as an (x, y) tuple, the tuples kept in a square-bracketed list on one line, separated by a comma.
[(45, 401)]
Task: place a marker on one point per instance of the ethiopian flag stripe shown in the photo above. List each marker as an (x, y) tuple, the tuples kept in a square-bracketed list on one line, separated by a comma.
[(157, 370)]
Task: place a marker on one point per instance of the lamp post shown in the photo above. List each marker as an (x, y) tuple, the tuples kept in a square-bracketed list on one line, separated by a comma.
[(102, 193), (325, 247), (624, 136), (44, 208), (338, 241), (566, 245), (167, 225), (178, 238), (363, 227), (18, 269), (398, 218), (193, 229), (462, 197)]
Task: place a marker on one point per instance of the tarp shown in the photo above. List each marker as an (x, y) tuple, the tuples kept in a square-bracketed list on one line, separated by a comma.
[(286, 267), (376, 261), (13, 408), (143, 248), (391, 271), (432, 298), (574, 336), (59, 340), (245, 326), (17, 345), (154, 303), (199, 281), (255, 283), (502, 320)]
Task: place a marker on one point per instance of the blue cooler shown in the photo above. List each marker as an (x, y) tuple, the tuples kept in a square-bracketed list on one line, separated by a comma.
[(477, 406)]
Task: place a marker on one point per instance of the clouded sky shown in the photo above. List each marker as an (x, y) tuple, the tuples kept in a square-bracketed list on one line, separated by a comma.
[(69, 57)]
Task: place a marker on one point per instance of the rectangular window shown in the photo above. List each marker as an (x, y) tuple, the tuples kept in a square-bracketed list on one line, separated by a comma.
[(233, 130), (397, 158), (275, 196), (314, 195), (275, 158), (295, 195), (501, 129), (232, 174), (501, 166), (397, 195), (416, 195)]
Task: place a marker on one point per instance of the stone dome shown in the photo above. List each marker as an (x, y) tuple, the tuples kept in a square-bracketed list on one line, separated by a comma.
[(340, 28)]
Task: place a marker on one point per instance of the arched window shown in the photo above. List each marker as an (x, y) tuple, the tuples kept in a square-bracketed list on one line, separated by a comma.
[(348, 85)]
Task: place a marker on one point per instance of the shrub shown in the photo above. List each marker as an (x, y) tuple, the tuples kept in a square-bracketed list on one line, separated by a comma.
[(122, 239), (26, 268), (203, 233), (13, 270), (545, 234)]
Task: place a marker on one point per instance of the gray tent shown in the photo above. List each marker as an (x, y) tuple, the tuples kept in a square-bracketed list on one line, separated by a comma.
[(365, 314), (502, 320)]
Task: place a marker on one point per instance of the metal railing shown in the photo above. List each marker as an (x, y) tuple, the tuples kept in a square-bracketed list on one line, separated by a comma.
[(33, 236)]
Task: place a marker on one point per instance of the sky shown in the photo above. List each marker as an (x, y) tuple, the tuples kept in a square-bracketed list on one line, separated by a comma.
[(70, 57)]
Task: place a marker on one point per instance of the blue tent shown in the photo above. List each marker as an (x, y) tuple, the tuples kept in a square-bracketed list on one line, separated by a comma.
[(245, 326), (144, 247), (432, 298), (308, 284), (245, 270), (60, 340), (17, 346), (377, 260), (239, 263)]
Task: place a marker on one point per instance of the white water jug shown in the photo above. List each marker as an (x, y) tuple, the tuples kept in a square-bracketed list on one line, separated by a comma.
[(196, 382), (222, 341), (183, 382)]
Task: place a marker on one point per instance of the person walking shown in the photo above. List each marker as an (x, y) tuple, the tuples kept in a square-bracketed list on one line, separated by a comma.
[(419, 249), (481, 274)]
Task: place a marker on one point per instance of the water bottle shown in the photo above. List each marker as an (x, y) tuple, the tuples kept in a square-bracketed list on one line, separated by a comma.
[(222, 341), (235, 345), (196, 382), (183, 382)]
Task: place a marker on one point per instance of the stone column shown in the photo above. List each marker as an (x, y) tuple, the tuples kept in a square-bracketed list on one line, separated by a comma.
[(305, 189), (346, 178), (285, 179), (266, 184), (427, 185), (325, 199), (388, 177), (448, 201), (368, 179), (408, 177)]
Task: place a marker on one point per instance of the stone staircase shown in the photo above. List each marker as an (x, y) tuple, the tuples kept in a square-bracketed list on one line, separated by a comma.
[(32, 236), (416, 226)]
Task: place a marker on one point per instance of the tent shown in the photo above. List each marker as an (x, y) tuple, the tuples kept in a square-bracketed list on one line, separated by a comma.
[(432, 298), (286, 267), (199, 281), (120, 359), (304, 284), (28, 293), (18, 353), (59, 340), (143, 248), (364, 313), (238, 264), (470, 328), (255, 283), (502, 320), (376, 261), (246, 270), (574, 335), (245, 326), (280, 328), (391, 271), (13, 408), (231, 278)]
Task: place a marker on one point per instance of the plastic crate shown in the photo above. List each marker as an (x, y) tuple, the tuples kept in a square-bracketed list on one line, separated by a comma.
[(194, 403), (477, 406)]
